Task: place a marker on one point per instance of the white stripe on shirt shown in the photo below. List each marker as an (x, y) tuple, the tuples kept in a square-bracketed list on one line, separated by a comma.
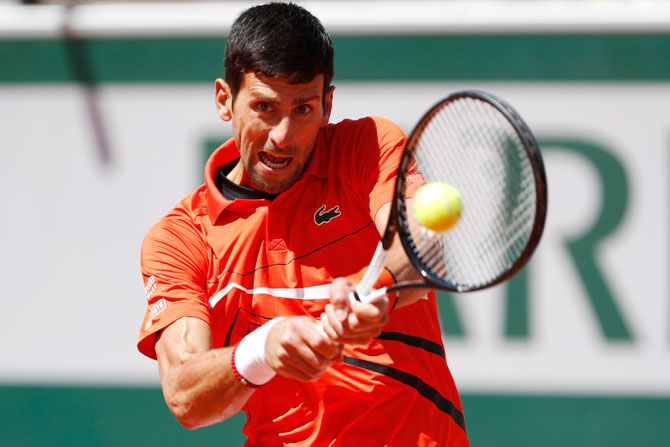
[(321, 292)]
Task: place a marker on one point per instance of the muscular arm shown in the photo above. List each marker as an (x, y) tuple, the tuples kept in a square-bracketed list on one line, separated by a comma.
[(198, 383)]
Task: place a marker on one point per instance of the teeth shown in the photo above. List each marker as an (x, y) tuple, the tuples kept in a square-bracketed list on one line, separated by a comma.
[(273, 162)]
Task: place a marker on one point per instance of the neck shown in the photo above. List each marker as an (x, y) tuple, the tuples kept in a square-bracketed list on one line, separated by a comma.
[(236, 175)]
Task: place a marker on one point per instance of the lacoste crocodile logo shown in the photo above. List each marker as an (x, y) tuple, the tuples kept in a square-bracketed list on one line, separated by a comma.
[(322, 216)]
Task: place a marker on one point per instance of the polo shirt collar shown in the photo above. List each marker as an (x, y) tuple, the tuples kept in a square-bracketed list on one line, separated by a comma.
[(223, 155), (228, 152), (318, 165)]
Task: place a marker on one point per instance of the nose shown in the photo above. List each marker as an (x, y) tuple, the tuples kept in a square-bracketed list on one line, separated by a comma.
[(280, 134)]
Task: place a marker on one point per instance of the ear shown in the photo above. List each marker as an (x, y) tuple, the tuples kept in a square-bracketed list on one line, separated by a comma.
[(223, 100), (327, 106)]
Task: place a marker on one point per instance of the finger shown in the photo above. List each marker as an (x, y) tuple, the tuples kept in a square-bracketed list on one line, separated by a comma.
[(328, 327), (321, 338), (334, 320), (333, 330), (339, 297), (372, 311), (294, 348), (364, 321), (305, 361)]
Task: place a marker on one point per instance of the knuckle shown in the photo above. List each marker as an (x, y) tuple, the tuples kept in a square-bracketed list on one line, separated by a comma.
[(282, 355), (286, 340)]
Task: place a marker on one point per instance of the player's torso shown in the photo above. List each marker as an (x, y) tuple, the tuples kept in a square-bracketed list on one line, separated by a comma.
[(280, 257)]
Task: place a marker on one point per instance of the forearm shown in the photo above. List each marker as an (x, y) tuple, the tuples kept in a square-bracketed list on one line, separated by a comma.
[(201, 385), (397, 262), (203, 389), (198, 382), (402, 270)]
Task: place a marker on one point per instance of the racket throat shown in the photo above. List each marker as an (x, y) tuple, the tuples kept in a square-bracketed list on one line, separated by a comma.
[(372, 273)]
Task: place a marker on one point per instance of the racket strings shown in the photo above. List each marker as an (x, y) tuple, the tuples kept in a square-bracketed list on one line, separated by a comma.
[(470, 144), (504, 169), (431, 165), (465, 145), (473, 141)]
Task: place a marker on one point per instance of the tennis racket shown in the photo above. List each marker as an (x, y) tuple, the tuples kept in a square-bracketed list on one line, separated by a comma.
[(478, 143)]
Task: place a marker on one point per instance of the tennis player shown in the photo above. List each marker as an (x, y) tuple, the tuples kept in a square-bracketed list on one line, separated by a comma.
[(247, 277)]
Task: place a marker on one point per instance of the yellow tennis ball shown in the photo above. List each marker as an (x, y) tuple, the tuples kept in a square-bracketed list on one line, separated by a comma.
[(437, 206)]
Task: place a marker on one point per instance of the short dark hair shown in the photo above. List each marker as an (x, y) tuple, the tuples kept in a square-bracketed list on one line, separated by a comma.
[(278, 39)]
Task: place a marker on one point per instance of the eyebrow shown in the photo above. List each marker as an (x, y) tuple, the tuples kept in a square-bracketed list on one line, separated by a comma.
[(304, 99), (298, 100)]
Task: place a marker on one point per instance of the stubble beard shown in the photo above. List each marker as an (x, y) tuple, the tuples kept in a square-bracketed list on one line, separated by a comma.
[(274, 187)]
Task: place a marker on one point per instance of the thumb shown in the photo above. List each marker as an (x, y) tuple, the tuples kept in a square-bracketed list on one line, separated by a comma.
[(339, 297)]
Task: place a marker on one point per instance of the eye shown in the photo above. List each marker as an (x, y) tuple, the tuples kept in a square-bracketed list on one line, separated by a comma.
[(303, 109), (263, 107)]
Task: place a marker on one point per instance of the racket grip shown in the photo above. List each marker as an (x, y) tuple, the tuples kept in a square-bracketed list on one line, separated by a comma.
[(373, 271), (372, 296)]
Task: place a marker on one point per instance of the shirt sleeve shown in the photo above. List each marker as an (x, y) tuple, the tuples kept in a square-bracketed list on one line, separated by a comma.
[(173, 263), (378, 159)]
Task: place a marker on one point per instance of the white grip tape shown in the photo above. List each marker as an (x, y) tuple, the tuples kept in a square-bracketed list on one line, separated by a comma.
[(372, 272), (250, 358), (372, 295)]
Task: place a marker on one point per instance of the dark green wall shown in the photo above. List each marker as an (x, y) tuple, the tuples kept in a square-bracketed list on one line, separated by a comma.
[(441, 57), (119, 417)]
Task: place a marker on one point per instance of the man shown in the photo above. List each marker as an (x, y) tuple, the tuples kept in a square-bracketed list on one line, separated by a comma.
[(247, 278)]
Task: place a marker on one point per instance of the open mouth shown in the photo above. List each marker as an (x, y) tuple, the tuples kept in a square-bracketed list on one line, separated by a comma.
[(273, 162)]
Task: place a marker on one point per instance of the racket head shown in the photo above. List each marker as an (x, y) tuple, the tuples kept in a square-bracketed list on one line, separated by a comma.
[(478, 143)]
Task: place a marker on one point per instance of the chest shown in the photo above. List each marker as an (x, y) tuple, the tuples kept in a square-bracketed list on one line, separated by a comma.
[(279, 258)]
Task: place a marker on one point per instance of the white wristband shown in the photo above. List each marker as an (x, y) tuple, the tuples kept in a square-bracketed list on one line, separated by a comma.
[(250, 359)]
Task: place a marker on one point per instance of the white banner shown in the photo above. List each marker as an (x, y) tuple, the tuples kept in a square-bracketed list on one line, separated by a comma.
[(598, 289)]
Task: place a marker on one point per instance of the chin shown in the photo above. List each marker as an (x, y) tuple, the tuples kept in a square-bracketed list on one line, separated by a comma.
[(276, 186), (271, 187)]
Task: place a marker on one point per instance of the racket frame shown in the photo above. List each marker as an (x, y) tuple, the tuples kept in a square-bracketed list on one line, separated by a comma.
[(398, 222)]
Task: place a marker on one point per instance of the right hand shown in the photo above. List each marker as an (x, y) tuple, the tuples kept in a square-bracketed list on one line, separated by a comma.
[(353, 322), (297, 348)]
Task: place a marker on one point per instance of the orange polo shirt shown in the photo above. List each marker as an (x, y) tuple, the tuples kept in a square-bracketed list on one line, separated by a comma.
[(236, 258)]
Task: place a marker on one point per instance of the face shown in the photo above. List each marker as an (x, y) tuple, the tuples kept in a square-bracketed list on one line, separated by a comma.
[(275, 125)]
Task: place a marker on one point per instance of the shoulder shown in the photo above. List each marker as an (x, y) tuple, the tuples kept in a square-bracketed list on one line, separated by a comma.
[(364, 137), (372, 127), (179, 231)]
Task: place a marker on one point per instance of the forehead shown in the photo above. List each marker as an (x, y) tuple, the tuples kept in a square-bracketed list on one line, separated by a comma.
[(258, 84)]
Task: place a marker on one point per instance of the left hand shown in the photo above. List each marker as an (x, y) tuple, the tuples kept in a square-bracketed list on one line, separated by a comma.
[(353, 322)]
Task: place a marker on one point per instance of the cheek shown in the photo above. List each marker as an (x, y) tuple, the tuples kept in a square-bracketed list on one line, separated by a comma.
[(249, 134), (255, 129), (250, 141)]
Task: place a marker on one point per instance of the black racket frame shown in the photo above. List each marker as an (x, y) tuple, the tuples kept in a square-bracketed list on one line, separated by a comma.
[(398, 221)]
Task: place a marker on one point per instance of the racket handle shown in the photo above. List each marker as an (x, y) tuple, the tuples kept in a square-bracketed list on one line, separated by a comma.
[(373, 271), (369, 297)]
